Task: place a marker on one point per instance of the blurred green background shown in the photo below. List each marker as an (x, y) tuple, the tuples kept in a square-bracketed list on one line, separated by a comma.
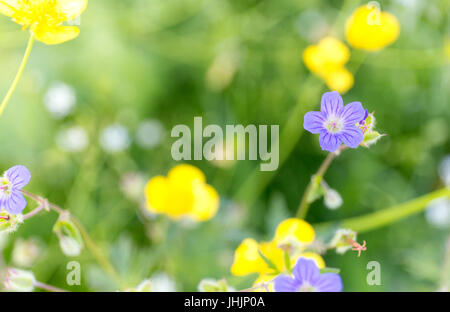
[(141, 67)]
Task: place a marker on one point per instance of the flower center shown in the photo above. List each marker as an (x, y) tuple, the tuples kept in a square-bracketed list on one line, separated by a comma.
[(306, 287), (5, 187), (333, 125)]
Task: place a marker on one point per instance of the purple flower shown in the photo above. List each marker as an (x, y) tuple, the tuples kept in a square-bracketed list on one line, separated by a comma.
[(307, 277), (336, 123), (14, 179)]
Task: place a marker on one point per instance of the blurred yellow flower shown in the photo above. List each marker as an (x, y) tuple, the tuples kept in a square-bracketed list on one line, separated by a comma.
[(183, 193), (368, 28), (327, 60), (291, 236), (44, 18)]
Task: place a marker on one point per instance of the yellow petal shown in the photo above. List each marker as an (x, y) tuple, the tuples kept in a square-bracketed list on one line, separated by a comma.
[(340, 80), (271, 251), (8, 7), (71, 9), (55, 35), (293, 231), (247, 259), (156, 194), (206, 202), (328, 55), (185, 173), (370, 29)]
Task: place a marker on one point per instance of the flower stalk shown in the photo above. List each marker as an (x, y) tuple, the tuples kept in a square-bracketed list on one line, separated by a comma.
[(303, 207), (18, 75), (102, 260)]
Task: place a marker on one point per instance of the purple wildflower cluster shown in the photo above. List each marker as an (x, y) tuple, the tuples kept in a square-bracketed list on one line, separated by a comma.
[(11, 198), (336, 123), (307, 278)]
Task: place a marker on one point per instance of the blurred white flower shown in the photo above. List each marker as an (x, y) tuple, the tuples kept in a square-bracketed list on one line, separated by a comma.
[(438, 213), (332, 199), (73, 139), (60, 100), (26, 252), (161, 282), (444, 170), (150, 133), (132, 184), (114, 138)]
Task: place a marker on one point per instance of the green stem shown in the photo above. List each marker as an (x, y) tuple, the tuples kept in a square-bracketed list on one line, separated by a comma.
[(102, 260), (303, 208), (386, 216), (18, 75)]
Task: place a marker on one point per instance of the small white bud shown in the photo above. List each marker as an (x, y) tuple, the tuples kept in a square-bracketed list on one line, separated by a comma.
[(19, 280), (332, 199)]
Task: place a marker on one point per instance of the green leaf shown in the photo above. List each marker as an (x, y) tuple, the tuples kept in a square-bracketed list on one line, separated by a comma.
[(330, 270)]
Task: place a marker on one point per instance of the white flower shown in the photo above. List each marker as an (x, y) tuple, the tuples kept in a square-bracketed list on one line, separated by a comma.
[(149, 134), (25, 252), (161, 282), (114, 138), (60, 100), (73, 139), (438, 213)]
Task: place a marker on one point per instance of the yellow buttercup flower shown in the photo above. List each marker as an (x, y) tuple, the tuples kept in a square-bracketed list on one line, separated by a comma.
[(268, 258), (44, 18), (183, 193), (368, 28), (327, 60)]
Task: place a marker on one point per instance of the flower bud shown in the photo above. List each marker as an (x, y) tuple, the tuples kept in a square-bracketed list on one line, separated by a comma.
[(340, 240), (69, 236), (9, 222), (212, 285), (332, 199), (19, 280)]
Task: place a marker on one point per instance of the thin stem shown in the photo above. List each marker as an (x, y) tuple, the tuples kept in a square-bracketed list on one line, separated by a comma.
[(93, 248), (376, 220), (48, 287), (18, 75), (258, 286), (33, 212), (304, 203)]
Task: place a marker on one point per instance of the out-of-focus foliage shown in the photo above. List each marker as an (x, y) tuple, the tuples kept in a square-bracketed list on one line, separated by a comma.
[(140, 67)]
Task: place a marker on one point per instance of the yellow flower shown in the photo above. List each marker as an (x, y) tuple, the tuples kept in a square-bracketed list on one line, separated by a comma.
[(368, 28), (44, 18), (327, 60), (183, 193), (292, 236)]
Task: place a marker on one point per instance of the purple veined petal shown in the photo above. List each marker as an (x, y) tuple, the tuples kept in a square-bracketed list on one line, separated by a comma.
[(331, 103), (313, 122), (14, 203), (329, 142), (284, 283), (329, 282), (306, 270), (19, 176), (351, 136), (352, 113)]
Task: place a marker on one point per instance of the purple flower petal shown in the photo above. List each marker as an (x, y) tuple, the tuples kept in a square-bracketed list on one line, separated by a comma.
[(19, 176), (306, 270), (351, 136), (331, 103), (329, 142), (284, 283), (313, 122), (329, 282), (14, 203), (352, 113)]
